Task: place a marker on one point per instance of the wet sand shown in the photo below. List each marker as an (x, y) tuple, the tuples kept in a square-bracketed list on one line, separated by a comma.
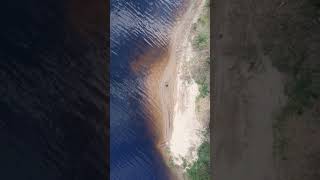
[(183, 124), (161, 78), (168, 81), (164, 85)]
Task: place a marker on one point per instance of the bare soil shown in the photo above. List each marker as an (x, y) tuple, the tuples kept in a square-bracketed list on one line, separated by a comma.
[(247, 90), (252, 41)]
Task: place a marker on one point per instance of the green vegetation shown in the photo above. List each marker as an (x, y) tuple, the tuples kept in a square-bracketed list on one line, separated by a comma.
[(301, 93), (184, 163), (202, 29), (170, 161), (297, 58), (203, 89), (201, 65), (201, 75), (300, 88), (201, 40), (200, 169)]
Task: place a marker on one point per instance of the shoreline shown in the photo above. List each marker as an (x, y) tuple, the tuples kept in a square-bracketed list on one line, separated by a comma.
[(163, 84), (179, 50), (168, 82)]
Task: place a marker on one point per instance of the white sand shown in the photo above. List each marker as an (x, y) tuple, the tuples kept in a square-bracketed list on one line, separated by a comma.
[(186, 137)]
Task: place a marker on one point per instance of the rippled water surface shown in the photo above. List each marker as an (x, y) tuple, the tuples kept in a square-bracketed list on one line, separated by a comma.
[(137, 26)]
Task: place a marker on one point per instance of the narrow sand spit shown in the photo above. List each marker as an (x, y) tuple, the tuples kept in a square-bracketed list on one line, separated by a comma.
[(161, 79), (178, 95), (171, 99), (185, 138)]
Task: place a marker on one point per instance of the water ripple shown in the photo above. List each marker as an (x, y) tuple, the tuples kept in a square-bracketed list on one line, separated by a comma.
[(137, 26)]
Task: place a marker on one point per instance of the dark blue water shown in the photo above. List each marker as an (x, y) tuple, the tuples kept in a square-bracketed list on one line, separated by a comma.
[(53, 98), (137, 26)]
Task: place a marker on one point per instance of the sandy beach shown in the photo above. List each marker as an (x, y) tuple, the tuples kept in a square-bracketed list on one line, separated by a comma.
[(178, 95), (171, 99)]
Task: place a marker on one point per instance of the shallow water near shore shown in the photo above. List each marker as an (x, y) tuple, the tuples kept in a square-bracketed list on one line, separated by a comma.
[(137, 27)]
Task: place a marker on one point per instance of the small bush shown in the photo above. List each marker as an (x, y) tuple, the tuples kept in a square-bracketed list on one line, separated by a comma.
[(200, 170), (299, 93), (201, 40), (204, 90)]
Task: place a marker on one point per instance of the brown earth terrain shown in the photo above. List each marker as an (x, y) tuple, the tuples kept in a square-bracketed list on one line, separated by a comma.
[(265, 86)]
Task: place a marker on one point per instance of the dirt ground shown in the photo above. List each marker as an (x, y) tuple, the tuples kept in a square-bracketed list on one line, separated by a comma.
[(248, 38), (247, 90)]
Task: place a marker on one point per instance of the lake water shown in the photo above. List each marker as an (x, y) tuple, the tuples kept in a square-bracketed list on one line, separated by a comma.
[(137, 26)]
